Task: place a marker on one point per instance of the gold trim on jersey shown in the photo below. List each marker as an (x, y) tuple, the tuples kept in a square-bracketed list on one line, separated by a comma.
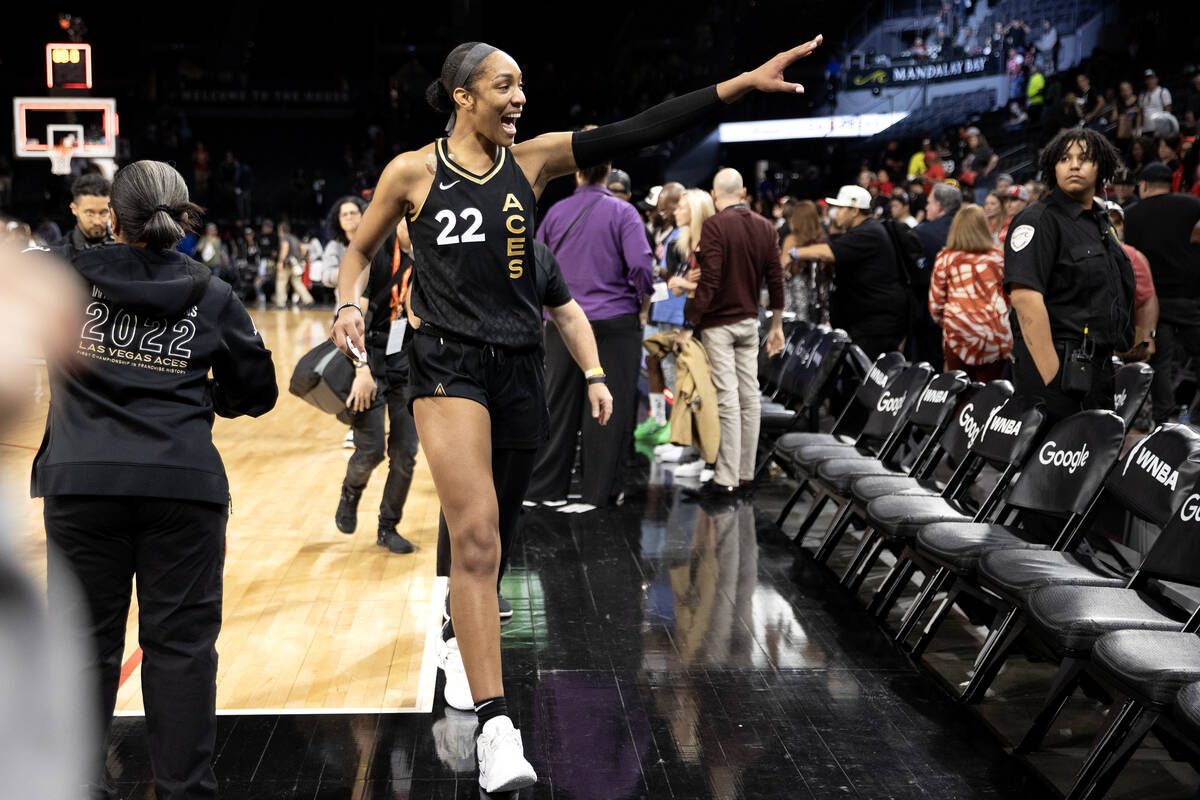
[(445, 159)]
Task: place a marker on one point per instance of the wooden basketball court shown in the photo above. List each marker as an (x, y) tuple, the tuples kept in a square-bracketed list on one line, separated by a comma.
[(314, 620)]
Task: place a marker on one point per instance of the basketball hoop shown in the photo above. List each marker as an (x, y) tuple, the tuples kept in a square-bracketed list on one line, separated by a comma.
[(60, 158)]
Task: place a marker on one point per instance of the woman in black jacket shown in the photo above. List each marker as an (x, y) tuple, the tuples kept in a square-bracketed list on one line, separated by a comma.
[(133, 485)]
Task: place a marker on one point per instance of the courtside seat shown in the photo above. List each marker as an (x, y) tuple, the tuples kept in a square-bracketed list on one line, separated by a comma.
[(867, 488), (1072, 618), (1131, 385), (1019, 574), (1157, 672), (963, 545), (1154, 666), (839, 473), (1187, 709)]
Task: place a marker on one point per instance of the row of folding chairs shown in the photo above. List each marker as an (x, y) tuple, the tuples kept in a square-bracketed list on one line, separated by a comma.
[(1034, 546)]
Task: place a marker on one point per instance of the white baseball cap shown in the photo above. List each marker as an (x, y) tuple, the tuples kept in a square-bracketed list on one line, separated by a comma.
[(652, 195), (851, 197), (1115, 208)]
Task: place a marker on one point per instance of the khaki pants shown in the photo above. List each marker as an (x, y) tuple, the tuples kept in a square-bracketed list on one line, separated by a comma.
[(283, 276), (733, 357)]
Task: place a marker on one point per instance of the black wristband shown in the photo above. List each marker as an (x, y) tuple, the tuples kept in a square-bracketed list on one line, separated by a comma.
[(652, 126), (596, 379), (338, 310)]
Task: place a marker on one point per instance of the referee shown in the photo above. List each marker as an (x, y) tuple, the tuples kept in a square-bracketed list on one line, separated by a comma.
[(1071, 284)]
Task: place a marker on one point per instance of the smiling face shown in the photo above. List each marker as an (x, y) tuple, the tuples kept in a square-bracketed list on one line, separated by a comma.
[(1076, 171), (495, 100)]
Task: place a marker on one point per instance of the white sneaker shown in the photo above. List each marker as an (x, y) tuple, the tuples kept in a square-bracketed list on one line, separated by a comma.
[(458, 691), (706, 475), (690, 469), (502, 764), (669, 452), (348, 442)]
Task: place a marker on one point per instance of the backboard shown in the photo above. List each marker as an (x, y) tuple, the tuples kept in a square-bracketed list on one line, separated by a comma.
[(41, 123)]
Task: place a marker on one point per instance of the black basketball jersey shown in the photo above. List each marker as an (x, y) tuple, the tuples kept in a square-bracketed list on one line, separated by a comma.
[(473, 246)]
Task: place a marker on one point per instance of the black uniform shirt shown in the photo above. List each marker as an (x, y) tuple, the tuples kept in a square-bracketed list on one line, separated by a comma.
[(869, 298), (1072, 257)]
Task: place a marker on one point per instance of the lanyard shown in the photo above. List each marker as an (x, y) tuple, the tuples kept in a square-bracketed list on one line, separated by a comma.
[(398, 293)]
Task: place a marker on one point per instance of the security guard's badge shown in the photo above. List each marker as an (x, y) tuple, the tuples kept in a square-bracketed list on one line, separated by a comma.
[(1022, 236)]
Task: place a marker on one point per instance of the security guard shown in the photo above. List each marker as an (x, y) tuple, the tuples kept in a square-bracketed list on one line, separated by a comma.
[(1071, 284)]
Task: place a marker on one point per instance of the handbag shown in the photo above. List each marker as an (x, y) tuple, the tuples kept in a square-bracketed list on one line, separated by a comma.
[(322, 379)]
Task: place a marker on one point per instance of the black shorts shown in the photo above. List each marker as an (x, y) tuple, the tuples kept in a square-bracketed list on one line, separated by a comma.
[(511, 385)]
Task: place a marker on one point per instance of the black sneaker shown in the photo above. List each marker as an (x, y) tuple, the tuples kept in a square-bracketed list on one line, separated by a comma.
[(506, 611), (346, 516), (387, 537)]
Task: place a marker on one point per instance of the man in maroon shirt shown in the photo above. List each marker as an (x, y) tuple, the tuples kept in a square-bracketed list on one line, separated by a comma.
[(739, 250)]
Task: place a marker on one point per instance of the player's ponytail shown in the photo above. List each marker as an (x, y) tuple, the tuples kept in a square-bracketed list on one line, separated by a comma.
[(150, 202), (438, 98)]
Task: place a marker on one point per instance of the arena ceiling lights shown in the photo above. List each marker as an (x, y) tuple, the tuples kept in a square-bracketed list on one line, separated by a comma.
[(843, 127)]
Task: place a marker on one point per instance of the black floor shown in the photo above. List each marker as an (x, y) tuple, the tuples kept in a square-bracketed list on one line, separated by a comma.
[(658, 650)]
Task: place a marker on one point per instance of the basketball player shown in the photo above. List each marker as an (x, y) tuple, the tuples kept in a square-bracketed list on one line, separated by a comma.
[(476, 381)]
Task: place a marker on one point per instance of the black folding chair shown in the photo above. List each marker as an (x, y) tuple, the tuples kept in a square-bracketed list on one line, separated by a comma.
[(951, 417), (924, 425), (1153, 480), (893, 520), (1130, 389), (1068, 620), (847, 429), (1062, 481), (830, 469), (1157, 672)]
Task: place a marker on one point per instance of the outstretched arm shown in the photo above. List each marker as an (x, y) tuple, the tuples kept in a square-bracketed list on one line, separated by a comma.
[(555, 154)]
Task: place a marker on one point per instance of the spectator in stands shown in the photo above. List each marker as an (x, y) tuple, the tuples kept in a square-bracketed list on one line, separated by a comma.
[(919, 51), (964, 42), (1125, 115), (1122, 188), (737, 256), (601, 245), (1191, 103), (1003, 182), (1088, 99), (289, 269), (1154, 100), (1047, 44), (1145, 299), (1015, 66), (870, 301), (89, 206), (1037, 190), (211, 252), (993, 211), (1035, 92), (900, 208), (342, 223), (893, 161), (1016, 200), (935, 171), (1141, 153), (944, 202), (978, 164), (917, 163), (1017, 116), (966, 299), (1165, 226), (805, 230)]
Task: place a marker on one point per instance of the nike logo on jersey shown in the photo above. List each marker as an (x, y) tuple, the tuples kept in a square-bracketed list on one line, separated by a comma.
[(445, 186)]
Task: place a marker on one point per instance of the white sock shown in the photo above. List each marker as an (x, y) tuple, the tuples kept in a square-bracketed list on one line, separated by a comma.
[(658, 407)]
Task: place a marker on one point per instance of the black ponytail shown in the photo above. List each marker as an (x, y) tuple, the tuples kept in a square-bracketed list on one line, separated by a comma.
[(438, 98), (150, 201)]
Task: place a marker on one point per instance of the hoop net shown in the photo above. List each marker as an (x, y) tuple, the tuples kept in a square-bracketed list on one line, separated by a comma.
[(60, 158)]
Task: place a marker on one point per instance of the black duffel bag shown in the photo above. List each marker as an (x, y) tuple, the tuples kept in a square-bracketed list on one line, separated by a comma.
[(322, 378)]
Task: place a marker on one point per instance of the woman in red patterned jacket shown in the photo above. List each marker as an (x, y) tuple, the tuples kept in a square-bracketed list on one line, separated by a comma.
[(966, 298)]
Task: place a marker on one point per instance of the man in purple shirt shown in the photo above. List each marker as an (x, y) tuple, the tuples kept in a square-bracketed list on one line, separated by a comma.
[(601, 245)]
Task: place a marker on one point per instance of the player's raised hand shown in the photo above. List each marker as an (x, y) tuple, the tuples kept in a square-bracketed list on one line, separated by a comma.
[(769, 77)]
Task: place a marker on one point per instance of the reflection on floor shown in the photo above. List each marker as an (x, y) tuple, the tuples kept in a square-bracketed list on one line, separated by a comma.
[(667, 650)]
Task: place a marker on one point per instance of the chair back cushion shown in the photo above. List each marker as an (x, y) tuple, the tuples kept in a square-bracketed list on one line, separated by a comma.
[(1008, 432), (1175, 555), (972, 416), (938, 400), (1070, 464), (896, 401), (1158, 473), (1130, 388)]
